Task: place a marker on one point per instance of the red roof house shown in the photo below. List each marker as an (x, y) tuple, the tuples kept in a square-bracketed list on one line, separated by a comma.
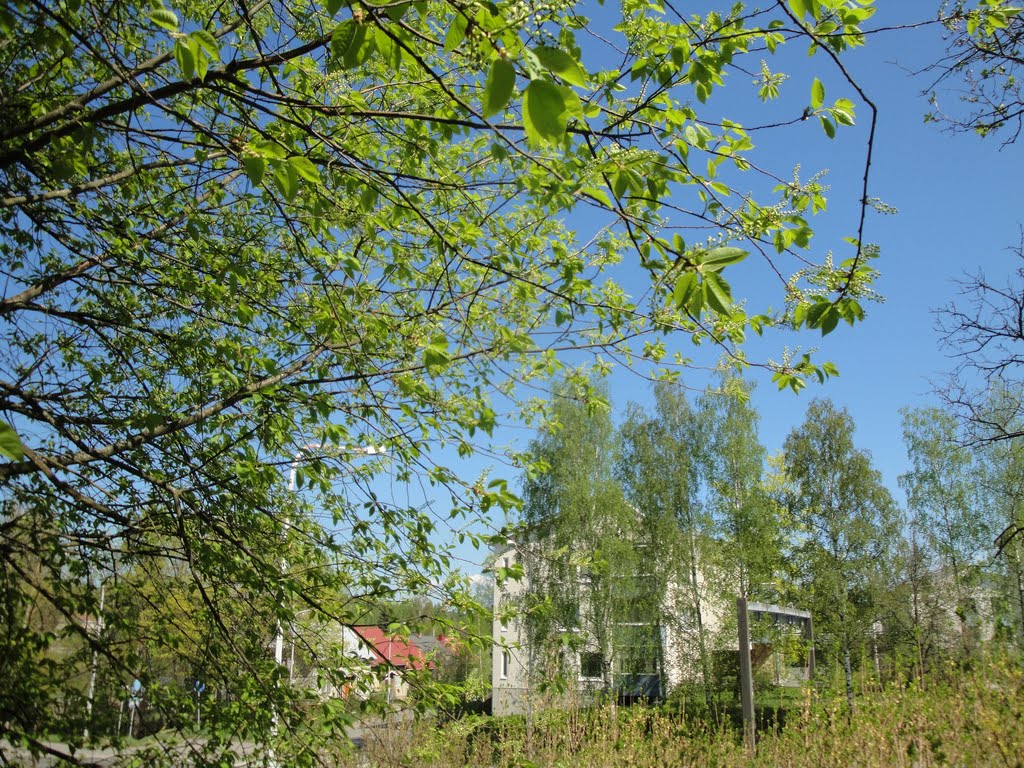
[(393, 650)]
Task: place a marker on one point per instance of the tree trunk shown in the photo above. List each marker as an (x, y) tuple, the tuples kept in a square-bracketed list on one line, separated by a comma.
[(701, 639), (848, 674), (1018, 573)]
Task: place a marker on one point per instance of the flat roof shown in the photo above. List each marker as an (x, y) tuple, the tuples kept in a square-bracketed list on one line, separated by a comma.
[(778, 610)]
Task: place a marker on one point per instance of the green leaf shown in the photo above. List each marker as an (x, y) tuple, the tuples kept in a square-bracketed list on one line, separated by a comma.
[(387, 47), (435, 354), (269, 148), (829, 320), (598, 194), (202, 59), (830, 129), (457, 32), (620, 182), (342, 38), (164, 17), (814, 313), (287, 180), (817, 94), (562, 64), (333, 6), (10, 444), (718, 258), (842, 116), (501, 81), (719, 294), (255, 168), (348, 44), (305, 168), (684, 290), (799, 8), (397, 11), (207, 42), (544, 113), (368, 198), (186, 59)]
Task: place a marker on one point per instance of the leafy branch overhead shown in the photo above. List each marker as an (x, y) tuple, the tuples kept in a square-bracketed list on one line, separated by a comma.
[(231, 231)]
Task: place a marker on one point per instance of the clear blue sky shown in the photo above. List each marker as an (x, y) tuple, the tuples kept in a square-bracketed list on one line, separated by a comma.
[(959, 204), (959, 201), (960, 207)]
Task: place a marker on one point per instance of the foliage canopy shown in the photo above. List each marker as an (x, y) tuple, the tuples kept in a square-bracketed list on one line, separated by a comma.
[(240, 235)]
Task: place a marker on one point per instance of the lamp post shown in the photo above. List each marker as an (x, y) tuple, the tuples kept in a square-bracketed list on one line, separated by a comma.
[(366, 450), (98, 625)]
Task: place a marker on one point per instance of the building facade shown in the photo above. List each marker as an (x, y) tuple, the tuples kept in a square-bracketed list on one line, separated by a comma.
[(641, 656)]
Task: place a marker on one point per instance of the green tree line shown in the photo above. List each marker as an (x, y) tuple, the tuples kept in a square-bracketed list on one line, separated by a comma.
[(662, 521)]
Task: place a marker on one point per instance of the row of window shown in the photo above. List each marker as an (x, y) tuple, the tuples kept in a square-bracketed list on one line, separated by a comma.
[(592, 664)]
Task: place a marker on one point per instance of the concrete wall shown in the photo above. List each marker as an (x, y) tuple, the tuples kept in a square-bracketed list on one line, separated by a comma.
[(509, 669)]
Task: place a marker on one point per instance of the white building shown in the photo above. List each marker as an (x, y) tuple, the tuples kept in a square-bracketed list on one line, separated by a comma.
[(669, 655), (662, 652)]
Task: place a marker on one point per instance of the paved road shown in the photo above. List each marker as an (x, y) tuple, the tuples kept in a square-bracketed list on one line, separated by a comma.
[(250, 755)]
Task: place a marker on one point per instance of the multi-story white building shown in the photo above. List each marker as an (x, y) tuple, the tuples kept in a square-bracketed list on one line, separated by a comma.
[(665, 653), (645, 656)]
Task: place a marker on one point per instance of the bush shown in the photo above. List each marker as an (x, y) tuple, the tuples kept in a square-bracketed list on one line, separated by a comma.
[(958, 717)]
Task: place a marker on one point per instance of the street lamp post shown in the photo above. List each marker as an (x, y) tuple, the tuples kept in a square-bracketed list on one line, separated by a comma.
[(367, 450), (98, 624)]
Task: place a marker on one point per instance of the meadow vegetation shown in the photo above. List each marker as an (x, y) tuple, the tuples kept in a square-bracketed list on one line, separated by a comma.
[(961, 715)]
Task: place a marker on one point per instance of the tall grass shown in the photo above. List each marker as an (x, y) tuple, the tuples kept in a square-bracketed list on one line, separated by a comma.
[(956, 717)]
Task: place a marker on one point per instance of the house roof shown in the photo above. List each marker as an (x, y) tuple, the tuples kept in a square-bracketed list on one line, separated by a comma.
[(434, 645), (392, 649)]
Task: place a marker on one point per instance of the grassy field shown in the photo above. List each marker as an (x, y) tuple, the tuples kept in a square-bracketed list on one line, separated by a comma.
[(954, 717)]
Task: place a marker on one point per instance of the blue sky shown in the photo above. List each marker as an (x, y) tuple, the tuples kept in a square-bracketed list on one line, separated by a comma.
[(959, 208), (959, 201)]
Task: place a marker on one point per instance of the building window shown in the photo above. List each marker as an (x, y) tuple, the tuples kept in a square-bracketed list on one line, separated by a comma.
[(591, 665), (506, 661)]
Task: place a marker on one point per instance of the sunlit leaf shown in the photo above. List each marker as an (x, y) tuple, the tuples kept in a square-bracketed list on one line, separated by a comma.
[(305, 168), (10, 443), (287, 180), (544, 113), (719, 295), (723, 256), (501, 81), (817, 94), (255, 167), (562, 64), (164, 17), (186, 59)]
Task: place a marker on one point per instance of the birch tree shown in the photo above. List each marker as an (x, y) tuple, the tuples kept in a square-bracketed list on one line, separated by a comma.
[(662, 454), (947, 512), (848, 525), (747, 520)]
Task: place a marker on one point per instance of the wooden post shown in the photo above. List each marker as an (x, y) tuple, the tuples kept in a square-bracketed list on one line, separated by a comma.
[(746, 675), (809, 636)]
